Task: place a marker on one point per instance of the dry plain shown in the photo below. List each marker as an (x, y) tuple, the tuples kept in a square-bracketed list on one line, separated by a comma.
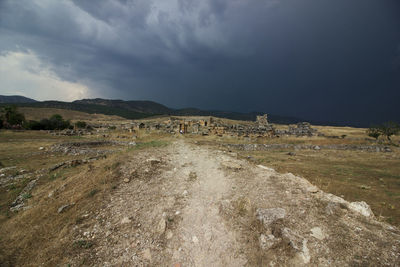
[(190, 200)]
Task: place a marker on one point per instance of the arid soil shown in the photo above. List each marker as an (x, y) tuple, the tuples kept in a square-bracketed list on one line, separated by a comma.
[(191, 205)]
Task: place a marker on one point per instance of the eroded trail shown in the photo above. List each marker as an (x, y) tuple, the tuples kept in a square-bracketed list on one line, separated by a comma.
[(205, 238), (188, 205)]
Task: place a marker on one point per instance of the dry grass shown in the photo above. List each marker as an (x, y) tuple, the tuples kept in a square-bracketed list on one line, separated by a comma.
[(315, 140), (21, 150), (41, 113), (40, 234), (372, 177), (353, 134), (339, 131), (42, 226), (356, 175)]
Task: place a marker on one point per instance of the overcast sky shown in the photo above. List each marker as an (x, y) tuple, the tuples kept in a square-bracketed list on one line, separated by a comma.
[(331, 60)]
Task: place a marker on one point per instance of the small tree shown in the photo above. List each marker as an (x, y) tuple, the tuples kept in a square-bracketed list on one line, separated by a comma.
[(58, 123), (55, 122), (11, 117), (374, 132), (389, 128)]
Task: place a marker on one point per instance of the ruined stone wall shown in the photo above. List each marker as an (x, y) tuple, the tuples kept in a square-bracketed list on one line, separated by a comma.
[(301, 129), (212, 126)]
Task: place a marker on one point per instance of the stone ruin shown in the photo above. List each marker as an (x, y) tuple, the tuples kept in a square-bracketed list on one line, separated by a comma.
[(215, 126), (202, 125), (301, 129), (194, 125), (262, 121)]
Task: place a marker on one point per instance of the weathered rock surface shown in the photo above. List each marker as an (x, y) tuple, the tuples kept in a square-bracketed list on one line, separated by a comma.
[(231, 165), (161, 226), (267, 241), (362, 208), (65, 207), (317, 233), (268, 216), (126, 220)]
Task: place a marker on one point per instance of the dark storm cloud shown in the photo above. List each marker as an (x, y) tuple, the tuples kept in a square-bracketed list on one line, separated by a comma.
[(322, 60)]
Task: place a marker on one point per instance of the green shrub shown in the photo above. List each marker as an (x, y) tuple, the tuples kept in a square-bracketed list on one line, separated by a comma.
[(26, 196), (55, 122), (80, 124), (58, 123), (374, 132), (387, 129), (83, 243), (93, 192), (33, 125)]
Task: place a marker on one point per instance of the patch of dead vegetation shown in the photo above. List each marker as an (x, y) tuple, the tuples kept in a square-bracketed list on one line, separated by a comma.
[(83, 188), (41, 113)]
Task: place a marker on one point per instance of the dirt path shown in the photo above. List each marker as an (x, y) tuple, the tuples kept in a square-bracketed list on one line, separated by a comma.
[(206, 240), (187, 205)]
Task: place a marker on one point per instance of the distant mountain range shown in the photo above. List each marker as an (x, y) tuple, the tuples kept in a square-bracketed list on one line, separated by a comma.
[(137, 109), (15, 99)]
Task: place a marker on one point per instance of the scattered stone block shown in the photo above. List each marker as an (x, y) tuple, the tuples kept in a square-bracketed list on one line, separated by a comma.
[(317, 233), (265, 168), (64, 208), (269, 216), (126, 220), (362, 208), (161, 226), (231, 165), (267, 241)]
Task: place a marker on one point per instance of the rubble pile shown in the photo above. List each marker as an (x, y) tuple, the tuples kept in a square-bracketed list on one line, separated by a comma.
[(91, 147)]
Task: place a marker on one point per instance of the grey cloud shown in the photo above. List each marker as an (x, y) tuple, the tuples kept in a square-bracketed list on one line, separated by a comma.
[(330, 56)]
